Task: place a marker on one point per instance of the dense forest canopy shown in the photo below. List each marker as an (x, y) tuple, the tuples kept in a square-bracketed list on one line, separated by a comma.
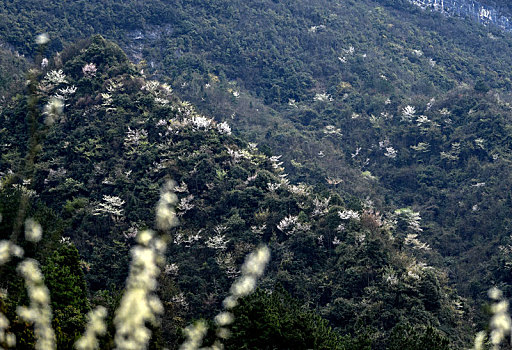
[(367, 143), (98, 175)]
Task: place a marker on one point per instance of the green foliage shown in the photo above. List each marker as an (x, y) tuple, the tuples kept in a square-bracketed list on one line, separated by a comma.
[(121, 136), (321, 82), (406, 337), (68, 291), (270, 320), (12, 68)]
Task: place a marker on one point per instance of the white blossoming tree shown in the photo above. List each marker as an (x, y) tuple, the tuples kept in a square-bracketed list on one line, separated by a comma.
[(111, 206)]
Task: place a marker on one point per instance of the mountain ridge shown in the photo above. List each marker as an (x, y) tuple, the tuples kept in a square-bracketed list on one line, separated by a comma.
[(99, 172)]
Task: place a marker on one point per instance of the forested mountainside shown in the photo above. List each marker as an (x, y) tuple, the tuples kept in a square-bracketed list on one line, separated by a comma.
[(375, 102), (97, 174), (12, 73)]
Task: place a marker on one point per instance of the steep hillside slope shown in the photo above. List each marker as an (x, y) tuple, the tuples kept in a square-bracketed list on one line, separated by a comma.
[(100, 163), (12, 70), (375, 99)]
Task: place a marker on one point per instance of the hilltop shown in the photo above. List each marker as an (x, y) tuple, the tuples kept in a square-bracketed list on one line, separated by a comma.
[(97, 176)]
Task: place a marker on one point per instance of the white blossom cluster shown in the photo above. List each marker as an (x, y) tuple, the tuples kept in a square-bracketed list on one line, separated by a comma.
[(276, 164), (160, 92), (151, 86), (384, 143), (132, 232), (322, 97), (390, 152), (360, 238), (422, 147), (314, 29), (53, 87), (480, 143), (412, 240), (111, 205), (171, 269), (54, 77), (300, 189), (349, 215), (217, 241), (65, 241), (224, 128), (273, 186), (114, 86), (238, 155), (283, 180), (416, 269), (162, 101), (453, 153), (259, 230), (181, 188), (185, 205), (411, 218), (251, 178), (321, 206), (332, 130), (55, 175), (201, 122), (408, 113), (226, 262), (64, 93), (291, 224), (180, 300), (89, 70), (135, 138), (287, 223), (180, 238), (390, 276), (422, 120), (292, 103)]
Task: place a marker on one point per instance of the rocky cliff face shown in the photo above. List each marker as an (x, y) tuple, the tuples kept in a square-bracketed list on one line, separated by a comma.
[(470, 9)]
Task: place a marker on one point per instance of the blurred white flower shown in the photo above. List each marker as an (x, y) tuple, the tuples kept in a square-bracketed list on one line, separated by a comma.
[(39, 312), (96, 327), (33, 230), (42, 39)]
